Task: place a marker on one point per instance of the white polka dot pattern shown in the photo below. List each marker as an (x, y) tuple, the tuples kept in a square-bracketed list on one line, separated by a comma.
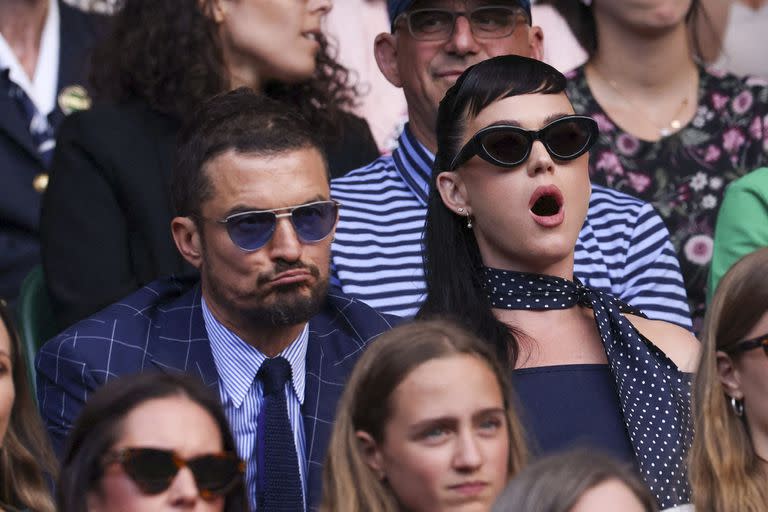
[(654, 394)]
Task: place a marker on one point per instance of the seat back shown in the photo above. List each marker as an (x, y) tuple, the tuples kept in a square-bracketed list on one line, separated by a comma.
[(35, 317)]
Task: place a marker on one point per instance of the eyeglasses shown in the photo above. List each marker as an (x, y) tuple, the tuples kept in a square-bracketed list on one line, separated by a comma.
[(487, 22), (313, 222), (508, 146), (743, 346), (153, 470)]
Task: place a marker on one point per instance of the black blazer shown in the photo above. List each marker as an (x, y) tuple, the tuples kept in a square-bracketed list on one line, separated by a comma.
[(106, 217), (19, 161)]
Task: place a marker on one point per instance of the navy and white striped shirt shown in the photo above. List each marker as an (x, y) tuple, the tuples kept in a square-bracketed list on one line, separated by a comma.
[(623, 248), (242, 395)]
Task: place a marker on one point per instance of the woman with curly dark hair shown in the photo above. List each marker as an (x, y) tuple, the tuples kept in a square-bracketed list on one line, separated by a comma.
[(107, 210)]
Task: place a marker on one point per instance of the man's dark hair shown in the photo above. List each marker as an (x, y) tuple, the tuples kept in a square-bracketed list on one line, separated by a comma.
[(239, 120)]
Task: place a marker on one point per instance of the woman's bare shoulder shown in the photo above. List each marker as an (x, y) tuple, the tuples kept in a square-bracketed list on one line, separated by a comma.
[(680, 345)]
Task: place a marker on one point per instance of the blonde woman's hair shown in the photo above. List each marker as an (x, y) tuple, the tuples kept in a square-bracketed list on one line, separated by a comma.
[(725, 472), (349, 484), (26, 459)]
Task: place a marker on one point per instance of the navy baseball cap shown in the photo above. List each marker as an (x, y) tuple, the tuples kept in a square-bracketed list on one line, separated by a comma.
[(397, 7)]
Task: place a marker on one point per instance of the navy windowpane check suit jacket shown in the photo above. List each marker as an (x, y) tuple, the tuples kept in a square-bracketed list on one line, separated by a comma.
[(161, 327)]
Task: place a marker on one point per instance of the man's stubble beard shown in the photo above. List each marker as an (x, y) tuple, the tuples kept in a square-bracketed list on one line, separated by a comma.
[(288, 307)]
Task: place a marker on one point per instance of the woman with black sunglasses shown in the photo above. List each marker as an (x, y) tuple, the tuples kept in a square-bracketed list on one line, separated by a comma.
[(729, 457), (151, 442), (509, 197)]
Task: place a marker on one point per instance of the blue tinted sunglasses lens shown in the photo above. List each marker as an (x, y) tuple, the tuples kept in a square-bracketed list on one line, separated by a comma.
[(313, 222), (252, 230)]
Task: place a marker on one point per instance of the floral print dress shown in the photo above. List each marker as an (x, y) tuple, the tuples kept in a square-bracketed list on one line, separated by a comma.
[(685, 174)]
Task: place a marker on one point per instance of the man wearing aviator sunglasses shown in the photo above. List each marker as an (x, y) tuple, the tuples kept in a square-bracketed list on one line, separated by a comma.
[(254, 215), (623, 249)]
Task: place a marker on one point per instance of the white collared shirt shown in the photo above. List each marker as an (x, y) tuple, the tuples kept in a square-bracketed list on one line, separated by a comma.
[(41, 88)]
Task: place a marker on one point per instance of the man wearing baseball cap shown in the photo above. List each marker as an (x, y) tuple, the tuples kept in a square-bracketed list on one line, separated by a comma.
[(623, 248)]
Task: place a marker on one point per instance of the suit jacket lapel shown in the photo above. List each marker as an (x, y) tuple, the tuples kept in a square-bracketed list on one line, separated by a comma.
[(77, 36), (178, 341), (13, 122)]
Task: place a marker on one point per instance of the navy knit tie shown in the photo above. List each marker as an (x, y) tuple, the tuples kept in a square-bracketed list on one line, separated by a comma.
[(278, 471)]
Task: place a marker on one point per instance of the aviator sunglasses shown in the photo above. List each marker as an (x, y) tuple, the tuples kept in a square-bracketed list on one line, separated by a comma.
[(251, 230), (566, 138), (153, 470), (750, 344)]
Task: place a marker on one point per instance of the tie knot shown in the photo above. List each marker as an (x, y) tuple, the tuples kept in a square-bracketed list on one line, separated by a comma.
[(274, 373)]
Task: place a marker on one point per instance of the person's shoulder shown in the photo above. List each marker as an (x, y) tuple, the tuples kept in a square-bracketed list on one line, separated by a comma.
[(679, 344), (607, 196), (351, 316), (132, 314), (756, 181), (88, 23), (377, 170), (750, 88)]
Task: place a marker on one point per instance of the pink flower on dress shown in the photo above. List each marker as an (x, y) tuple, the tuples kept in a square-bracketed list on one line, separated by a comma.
[(733, 139), (742, 102), (627, 144), (639, 182), (756, 129), (719, 101), (698, 249), (609, 163), (603, 123), (712, 154)]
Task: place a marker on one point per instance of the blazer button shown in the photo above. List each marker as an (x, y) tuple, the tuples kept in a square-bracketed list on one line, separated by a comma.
[(40, 182)]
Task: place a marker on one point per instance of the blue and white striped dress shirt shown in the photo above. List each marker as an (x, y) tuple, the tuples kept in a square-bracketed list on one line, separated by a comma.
[(242, 395)]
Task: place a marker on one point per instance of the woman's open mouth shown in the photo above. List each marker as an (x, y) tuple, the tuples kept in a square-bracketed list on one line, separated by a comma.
[(546, 206)]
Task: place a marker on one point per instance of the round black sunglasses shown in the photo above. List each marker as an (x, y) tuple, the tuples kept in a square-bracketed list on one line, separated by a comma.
[(565, 138)]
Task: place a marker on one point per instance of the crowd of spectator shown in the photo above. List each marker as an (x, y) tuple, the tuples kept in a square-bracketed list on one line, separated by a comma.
[(425, 255)]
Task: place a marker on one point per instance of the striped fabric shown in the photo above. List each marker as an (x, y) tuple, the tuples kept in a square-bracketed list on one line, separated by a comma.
[(623, 248), (242, 395)]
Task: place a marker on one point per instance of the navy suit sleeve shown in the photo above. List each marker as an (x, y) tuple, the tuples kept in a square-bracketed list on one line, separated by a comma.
[(64, 382), (83, 230)]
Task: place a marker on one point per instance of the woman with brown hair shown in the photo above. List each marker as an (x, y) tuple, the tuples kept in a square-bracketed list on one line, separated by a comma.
[(729, 456), (576, 481), (425, 424), (26, 459)]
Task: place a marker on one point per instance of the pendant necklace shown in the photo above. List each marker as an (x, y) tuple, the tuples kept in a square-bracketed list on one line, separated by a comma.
[(666, 130)]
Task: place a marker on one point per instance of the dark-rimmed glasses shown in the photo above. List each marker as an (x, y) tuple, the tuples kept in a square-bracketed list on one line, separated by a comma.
[(251, 230), (750, 344), (487, 22), (566, 138), (153, 470)]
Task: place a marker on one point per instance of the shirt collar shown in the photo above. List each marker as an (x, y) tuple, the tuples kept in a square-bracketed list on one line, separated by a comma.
[(414, 163), (40, 88), (238, 362)]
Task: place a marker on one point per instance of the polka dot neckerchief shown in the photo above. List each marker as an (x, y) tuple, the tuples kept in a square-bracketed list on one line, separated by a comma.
[(654, 394)]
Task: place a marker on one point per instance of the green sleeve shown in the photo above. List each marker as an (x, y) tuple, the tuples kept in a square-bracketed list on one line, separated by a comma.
[(742, 224)]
